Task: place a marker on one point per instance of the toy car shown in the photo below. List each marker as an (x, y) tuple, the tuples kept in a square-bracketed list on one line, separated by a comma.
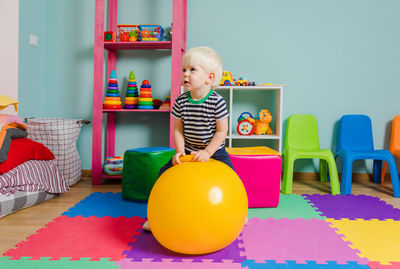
[(241, 82), (227, 79)]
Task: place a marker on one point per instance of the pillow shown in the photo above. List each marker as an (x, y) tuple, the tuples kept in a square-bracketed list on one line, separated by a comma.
[(22, 150), (6, 119)]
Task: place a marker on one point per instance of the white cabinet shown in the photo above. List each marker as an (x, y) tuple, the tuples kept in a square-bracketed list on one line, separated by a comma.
[(254, 98)]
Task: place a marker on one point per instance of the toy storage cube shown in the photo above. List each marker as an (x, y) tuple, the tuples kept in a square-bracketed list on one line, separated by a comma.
[(259, 168), (140, 171)]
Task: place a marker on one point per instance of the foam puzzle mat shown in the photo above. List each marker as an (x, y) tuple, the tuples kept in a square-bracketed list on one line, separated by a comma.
[(304, 231)]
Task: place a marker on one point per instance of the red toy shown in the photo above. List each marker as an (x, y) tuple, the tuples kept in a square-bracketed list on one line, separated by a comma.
[(110, 36), (128, 32), (245, 124)]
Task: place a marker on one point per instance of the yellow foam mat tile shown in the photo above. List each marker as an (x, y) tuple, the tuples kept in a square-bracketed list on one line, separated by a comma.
[(376, 240)]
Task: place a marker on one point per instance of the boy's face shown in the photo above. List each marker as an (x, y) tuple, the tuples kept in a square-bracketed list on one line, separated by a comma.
[(194, 77)]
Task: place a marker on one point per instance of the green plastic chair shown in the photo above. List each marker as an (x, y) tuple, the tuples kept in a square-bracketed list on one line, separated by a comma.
[(302, 142)]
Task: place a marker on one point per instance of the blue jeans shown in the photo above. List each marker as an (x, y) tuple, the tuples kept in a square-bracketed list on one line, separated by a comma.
[(220, 155)]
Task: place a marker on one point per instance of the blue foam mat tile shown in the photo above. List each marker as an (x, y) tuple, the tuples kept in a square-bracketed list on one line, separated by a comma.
[(101, 204), (251, 264)]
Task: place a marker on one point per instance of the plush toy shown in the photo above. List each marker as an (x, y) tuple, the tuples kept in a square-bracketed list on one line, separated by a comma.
[(262, 125)]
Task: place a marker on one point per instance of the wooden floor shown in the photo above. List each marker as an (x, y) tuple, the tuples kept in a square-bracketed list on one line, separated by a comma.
[(17, 227)]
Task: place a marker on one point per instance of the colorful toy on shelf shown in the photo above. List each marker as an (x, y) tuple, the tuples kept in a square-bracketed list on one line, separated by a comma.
[(265, 84), (245, 124), (128, 32), (168, 33), (262, 124), (114, 165), (113, 98), (132, 93), (227, 79), (157, 103), (241, 82), (145, 98), (110, 36), (166, 104), (151, 32)]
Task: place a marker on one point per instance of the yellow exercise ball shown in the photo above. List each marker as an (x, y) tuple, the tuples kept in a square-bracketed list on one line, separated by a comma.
[(197, 207)]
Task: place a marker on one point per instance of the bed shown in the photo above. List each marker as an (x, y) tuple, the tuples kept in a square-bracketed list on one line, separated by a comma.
[(28, 173), (22, 199), (28, 184)]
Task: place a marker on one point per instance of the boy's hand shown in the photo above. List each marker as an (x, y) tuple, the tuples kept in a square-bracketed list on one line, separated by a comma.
[(200, 156), (175, 159)]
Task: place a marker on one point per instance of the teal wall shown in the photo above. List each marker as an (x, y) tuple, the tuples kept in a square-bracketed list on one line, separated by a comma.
[(31, 60), (336, 57)]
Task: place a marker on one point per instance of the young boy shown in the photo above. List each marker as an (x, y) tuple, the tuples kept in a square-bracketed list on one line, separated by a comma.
[(201, 116)]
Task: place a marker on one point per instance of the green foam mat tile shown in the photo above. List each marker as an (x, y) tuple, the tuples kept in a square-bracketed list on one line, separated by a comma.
[(290, 206), (63, 263)]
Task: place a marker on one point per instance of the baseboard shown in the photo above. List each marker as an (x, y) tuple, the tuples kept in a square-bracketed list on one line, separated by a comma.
[(355, 177), (86, 173), (297, 175)]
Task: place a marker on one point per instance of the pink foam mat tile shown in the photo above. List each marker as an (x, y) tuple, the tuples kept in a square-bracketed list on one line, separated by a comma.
[(378, 265), (80, 237), (171, 264), (298, 240)]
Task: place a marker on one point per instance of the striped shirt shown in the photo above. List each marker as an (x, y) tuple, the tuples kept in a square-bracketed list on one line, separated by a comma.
[(199, 118)]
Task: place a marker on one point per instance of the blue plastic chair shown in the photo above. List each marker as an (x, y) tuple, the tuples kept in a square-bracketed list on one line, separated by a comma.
[(355, 142)]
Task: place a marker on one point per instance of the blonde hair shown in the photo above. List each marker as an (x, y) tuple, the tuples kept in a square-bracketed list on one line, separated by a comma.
[(208, 59)]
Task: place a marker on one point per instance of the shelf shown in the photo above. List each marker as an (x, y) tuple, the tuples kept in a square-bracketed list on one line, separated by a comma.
[(138, 45), (237, 136), (135, 110), (110, 176), (261, 87), (277, 91)]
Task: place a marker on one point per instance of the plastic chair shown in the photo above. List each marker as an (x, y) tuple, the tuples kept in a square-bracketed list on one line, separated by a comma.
[(394, 146), (355, 142), (302, 142)]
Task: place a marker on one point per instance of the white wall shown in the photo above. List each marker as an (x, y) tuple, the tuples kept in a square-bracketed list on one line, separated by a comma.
[(9, 50)]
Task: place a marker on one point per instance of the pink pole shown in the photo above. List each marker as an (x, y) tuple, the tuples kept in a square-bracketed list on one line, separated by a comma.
[(178, 48), (111, 65), (97, 93)]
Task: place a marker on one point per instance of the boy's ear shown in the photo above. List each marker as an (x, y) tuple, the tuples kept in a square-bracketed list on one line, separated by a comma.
[(212, 76)]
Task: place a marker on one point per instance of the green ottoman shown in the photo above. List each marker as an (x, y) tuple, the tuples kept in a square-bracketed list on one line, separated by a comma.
[(140, 171)]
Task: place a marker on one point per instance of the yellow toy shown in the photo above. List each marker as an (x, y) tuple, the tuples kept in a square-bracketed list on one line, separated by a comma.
[(197, 207), (227, 79), (262, 125), (6, 101), (241, 82)]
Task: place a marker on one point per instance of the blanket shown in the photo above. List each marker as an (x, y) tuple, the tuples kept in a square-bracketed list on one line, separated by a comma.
[(33, 175), (7, 133)]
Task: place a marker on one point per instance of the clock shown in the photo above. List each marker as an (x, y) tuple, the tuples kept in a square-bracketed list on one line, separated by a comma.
[(245, 127)]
